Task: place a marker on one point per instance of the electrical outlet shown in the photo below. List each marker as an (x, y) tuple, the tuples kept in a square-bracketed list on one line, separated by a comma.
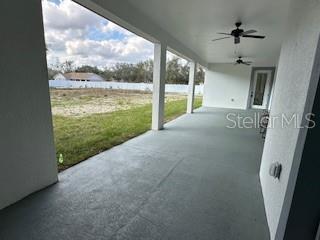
[(275, 170)]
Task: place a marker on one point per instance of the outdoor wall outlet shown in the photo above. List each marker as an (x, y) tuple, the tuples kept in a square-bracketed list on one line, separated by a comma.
[(275, 170)]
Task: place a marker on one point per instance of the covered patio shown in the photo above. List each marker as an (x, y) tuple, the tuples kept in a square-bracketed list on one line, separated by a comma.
[(196, 179)]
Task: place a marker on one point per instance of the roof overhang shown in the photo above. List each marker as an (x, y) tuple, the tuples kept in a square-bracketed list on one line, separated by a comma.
[(187, 26)]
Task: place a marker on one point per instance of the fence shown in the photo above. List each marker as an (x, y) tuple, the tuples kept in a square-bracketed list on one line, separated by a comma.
[(175, 88)]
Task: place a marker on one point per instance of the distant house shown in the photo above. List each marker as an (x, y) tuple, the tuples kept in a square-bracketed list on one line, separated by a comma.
[(59, 76), (79, 76)]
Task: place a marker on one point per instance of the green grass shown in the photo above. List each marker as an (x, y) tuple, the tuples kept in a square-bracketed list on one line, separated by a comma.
[(80, 138)]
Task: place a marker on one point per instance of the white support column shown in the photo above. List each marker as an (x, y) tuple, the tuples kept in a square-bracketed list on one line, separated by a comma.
[(159, 78), (192, 77)]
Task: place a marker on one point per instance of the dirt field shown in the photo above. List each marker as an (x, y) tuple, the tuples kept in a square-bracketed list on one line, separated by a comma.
[(80, 132), (84, 102)]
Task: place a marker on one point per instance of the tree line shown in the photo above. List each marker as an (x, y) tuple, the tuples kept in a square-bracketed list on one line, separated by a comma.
[(177, 72)]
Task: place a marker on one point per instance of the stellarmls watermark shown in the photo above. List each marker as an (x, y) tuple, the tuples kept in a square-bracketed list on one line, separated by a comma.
[(236, 120)]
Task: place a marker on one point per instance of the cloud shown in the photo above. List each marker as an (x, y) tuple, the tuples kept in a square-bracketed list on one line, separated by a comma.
[(68, 15), (111, 27), (131, 49), (77, 34)]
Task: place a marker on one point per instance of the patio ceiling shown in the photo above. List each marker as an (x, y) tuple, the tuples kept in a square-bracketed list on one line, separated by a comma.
[(195, 23), (188, 26)]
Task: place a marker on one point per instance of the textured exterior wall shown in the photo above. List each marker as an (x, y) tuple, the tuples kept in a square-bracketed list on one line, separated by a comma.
[(227, 86), (27, 161), (293, 94)]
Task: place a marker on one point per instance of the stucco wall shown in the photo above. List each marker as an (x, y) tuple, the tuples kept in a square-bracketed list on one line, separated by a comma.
[(227, 86), (294, 88), (27, 161)]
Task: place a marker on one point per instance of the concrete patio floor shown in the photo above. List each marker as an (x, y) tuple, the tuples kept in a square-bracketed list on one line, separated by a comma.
[(196, 179)]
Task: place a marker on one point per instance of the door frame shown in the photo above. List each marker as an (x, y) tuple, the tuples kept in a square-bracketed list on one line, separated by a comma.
[(251, 89)]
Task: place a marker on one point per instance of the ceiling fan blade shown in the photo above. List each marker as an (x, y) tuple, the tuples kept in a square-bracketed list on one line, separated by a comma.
[(225, 34), (245, 63), (219, 39), (236, 40), (253, 36), (249, 32)]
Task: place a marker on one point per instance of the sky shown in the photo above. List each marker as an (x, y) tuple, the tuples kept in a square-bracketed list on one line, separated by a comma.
[(76, 34)]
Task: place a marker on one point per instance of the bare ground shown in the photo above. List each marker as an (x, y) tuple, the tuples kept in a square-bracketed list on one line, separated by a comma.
[(84, 102)]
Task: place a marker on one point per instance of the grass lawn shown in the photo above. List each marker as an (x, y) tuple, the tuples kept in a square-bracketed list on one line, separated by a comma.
[(80, 138)]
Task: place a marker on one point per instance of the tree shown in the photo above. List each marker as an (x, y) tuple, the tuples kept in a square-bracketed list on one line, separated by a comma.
[(107, 74), (52, 73), (123, 72), (143, 71), (176, 72), (200, 75), (148, 66), (67, 66), (89, 69)]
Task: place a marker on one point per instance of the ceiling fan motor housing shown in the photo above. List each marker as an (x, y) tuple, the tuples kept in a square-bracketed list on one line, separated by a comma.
[(237, 32), (238, 24)]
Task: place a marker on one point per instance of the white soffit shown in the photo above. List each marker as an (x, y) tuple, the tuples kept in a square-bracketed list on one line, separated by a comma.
[(195, 23)]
